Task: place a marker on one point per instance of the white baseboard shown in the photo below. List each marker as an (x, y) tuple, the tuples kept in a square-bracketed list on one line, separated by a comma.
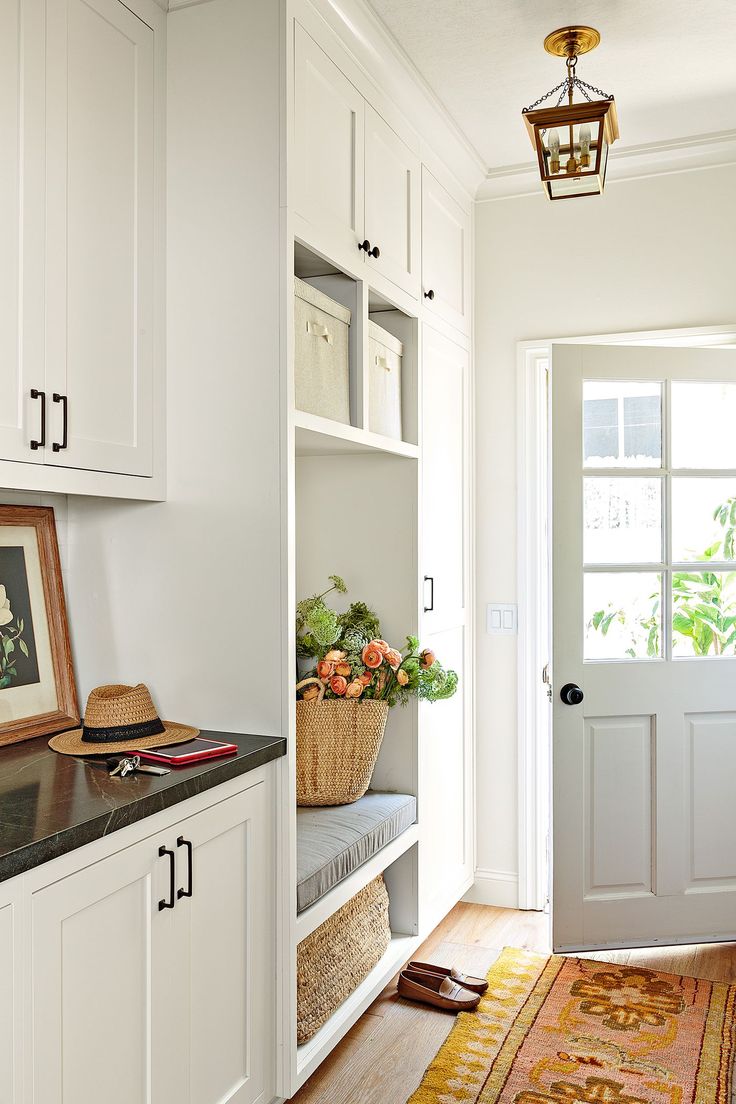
[(494, 887)]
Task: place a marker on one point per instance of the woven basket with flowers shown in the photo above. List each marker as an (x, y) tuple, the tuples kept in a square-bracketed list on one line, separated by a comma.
[(344, 700)]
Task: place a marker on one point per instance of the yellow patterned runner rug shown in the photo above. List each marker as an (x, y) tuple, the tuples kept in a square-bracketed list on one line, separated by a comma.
[(553, 1030)]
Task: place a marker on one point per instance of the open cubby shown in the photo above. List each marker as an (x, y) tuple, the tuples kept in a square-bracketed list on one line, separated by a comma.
[(317, 435)]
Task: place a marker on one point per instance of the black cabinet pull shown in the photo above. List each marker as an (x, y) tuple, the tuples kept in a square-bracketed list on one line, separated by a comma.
[(181, 842), (163, 903), (65, 424), (36, 394), (429, 294), (429, 579), (366, 245)]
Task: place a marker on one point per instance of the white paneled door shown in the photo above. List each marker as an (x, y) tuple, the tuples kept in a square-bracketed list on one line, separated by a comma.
[(644, 645)]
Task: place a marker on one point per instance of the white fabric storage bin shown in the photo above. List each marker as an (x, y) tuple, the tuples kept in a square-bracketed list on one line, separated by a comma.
[(385, 353), (321, 368)]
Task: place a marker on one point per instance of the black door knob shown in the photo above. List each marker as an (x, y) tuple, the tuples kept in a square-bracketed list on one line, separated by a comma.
[(571, 694), (429, 294)]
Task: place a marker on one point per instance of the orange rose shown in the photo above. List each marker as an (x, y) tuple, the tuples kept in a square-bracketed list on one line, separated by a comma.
[(382, 646), (366, 678), (427, 658), (393, 658), (343, 669), (402, 677), (355, 689), (372, 656), (335, 655), (310, 693), (338, 685), (324, 669)]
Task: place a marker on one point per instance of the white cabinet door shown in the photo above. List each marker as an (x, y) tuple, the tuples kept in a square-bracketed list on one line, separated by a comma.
[(328, 150), (106, 968), (229, 919), (21, 223), (444, 735), (445, 779), (445, 254), (11, 1017), (391, 203), (99, 237), (444, 376)]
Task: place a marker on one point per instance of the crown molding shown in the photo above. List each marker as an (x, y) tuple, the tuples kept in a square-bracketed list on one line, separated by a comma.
[(702, 151)]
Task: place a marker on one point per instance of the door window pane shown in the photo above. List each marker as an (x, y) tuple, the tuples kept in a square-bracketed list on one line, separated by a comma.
[(703, 425), (622, 424), (703, 613), (703, 519), (622, 614), (622, 520)]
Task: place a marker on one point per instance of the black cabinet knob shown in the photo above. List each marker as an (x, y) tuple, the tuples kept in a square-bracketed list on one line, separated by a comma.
[(366, 246), (429, 294), (571, 694)]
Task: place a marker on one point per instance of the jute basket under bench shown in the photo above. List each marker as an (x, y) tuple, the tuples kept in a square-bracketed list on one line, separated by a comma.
[(333, 961)]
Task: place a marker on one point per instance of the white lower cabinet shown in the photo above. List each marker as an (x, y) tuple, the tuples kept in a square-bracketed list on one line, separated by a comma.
[(152, 969), (10, 997)]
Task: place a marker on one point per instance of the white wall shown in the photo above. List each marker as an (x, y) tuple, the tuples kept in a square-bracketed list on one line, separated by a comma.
[(185, 595), (653, 253)]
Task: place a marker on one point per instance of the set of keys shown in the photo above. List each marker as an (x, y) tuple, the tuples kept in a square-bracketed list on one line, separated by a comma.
[(131, 764)]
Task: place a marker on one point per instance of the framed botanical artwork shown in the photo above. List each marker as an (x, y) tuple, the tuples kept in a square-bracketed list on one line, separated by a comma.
[(37, 692)]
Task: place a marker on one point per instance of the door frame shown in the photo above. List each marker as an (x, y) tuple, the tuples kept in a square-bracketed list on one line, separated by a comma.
[(534, 718)]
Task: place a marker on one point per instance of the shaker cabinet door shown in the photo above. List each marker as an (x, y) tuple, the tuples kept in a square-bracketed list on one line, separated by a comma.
[(392, 191), (230, 965), (444, 383), (21, 227), (445, 254), (328, 150), (99, 237), (107, 969), (12, 961)]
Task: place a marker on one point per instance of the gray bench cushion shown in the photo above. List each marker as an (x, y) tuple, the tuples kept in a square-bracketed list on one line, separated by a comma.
[(332, 842)]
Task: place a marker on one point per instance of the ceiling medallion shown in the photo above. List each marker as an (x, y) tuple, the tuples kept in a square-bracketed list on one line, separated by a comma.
[(572, 139)]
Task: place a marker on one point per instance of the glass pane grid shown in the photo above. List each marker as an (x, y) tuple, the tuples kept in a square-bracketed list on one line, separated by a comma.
[(625, 582)]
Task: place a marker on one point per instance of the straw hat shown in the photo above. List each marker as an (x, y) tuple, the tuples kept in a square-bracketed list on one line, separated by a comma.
[(120, 719)]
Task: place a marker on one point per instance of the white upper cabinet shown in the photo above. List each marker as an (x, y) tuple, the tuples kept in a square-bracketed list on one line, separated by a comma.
[(392, 193), (99, 237), (21, 220), (445, 254), (356, 183), (328, 150), (77, 240)]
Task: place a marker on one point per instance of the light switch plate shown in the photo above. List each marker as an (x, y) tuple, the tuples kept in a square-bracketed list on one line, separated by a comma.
[(502, 618)]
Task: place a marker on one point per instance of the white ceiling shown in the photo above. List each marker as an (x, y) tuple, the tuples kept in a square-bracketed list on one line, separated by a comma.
[(669, 63)]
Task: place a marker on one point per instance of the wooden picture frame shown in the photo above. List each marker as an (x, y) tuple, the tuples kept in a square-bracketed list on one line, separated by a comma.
[(38, 696)]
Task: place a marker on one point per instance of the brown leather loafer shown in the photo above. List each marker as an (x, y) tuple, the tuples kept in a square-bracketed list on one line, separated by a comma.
[(475, 984), (440, 992)]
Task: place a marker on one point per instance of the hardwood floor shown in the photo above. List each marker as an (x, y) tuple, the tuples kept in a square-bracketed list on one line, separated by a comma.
[(382, 1059)]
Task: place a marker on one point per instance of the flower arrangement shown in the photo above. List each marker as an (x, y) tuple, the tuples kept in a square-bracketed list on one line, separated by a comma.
[(354, 662)]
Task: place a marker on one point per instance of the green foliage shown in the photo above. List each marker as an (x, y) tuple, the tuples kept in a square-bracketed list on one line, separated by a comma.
[(703, 605), (319, 628), (358, 622)]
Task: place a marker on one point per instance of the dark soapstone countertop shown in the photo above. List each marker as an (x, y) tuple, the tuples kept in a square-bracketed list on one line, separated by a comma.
[(51, 804)]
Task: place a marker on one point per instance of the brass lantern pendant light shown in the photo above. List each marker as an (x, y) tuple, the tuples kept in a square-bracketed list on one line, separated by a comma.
[(572, 139)]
